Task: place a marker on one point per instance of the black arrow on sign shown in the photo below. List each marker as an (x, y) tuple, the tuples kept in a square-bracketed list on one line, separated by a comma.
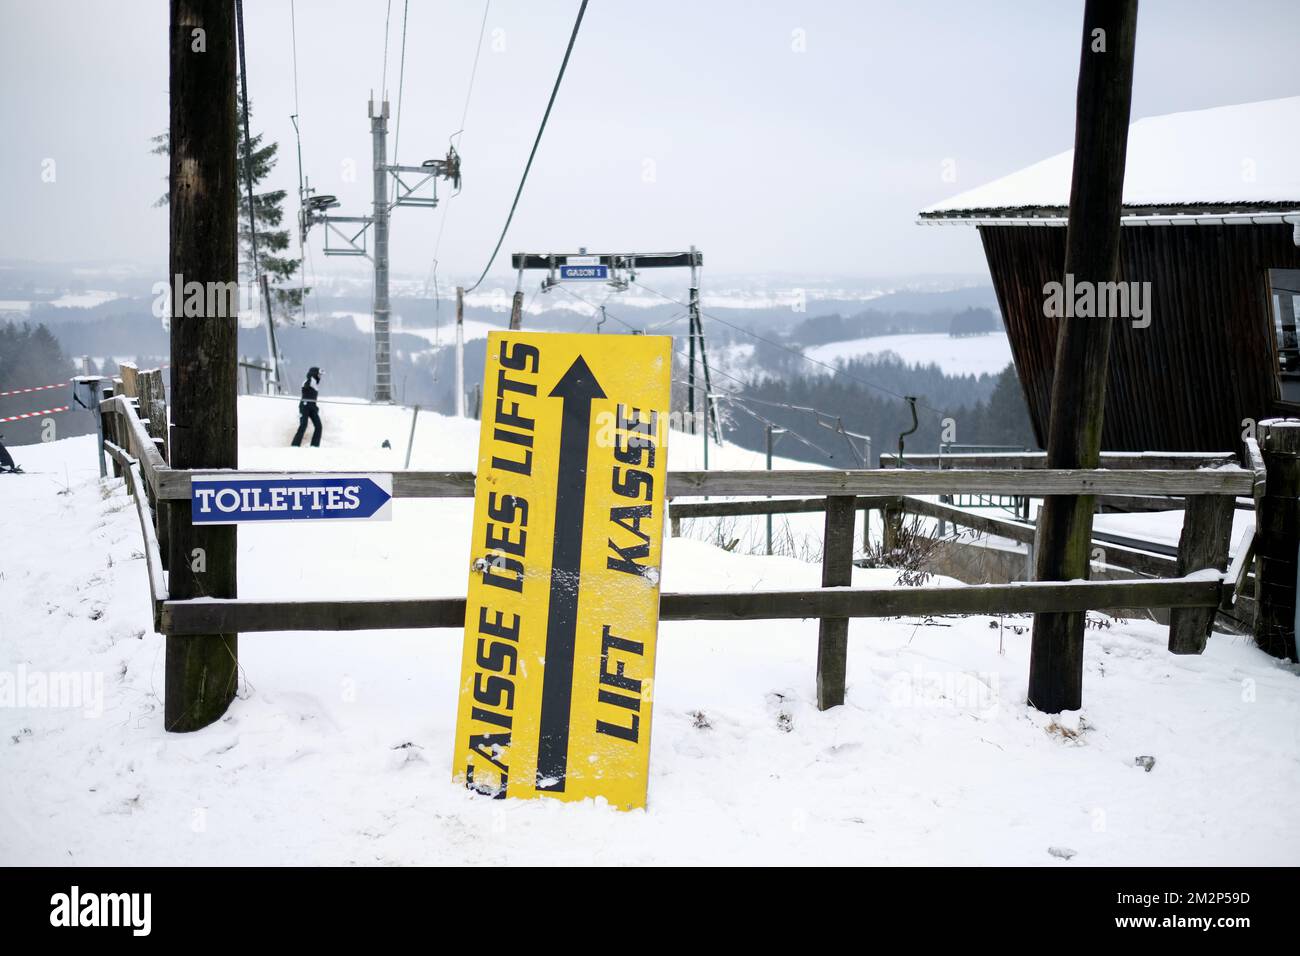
[(578, 388)]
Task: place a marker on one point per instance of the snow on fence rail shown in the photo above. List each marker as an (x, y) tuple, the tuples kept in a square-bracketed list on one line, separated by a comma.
[(1199, 586)]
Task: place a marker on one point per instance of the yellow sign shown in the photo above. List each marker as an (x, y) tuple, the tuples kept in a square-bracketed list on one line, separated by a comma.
[(557, 674)]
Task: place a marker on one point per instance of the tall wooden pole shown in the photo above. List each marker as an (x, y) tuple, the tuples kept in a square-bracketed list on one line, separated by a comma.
[(459, 404), (202, 671), (1083, 344), (1277, 539)]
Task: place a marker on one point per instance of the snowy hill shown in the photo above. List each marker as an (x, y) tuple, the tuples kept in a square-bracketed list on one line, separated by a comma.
[(338, 748), (986, 354)]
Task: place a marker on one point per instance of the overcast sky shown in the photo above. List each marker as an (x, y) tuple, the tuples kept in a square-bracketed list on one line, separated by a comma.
[(776, 137)]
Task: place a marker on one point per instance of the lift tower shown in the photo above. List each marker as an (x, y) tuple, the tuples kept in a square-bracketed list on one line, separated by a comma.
[(314, 209)]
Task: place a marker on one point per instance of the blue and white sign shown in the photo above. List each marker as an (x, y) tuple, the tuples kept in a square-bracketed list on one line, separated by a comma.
[(584, 272), (331, 497)]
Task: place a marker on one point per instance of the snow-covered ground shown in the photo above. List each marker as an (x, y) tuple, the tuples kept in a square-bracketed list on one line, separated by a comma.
[(84, 300), (985, 354), (338, 749)]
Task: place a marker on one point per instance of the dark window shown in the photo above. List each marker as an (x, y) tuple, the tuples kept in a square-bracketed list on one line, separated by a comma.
[(1284, 297)]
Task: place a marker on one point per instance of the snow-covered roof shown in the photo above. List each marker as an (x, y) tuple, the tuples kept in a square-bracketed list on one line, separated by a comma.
[(1226, 159)]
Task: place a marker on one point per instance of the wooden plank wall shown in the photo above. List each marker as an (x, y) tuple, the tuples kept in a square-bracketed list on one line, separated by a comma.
[(1207, 360)]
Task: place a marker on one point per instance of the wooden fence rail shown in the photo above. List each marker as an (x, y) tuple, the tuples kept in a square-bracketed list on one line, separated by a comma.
[(245, 615), (1231, 480)]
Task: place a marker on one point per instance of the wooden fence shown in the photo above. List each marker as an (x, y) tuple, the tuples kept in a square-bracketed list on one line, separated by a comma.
[(1194, 588)]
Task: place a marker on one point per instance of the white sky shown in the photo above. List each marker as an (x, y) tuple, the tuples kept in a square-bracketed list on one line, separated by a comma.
[(765, 158)]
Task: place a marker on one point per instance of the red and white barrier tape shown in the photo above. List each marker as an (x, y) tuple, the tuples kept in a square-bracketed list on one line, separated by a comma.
[(34, 388), (47, 411)]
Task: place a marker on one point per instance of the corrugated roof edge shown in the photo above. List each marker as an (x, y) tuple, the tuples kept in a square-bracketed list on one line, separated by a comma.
[(1057, 212)]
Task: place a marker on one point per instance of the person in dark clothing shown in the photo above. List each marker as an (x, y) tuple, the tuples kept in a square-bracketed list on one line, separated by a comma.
[(307, 409), (7, 465)]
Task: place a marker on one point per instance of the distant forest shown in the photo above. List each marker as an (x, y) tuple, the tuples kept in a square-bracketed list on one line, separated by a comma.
[(866, 398), (865, 395)]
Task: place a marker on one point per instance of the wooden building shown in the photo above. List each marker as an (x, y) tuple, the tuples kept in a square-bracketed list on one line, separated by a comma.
[(1212, 222)]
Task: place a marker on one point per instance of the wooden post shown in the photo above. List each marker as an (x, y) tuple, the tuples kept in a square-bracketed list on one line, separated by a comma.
[(202, 671), (517, 311), (1207, 530), (130, 379), (107, 425), (837, 571), (410, 441), (1092, 245), (891, 516), (153, 404), (153, 399), (1277, 538)]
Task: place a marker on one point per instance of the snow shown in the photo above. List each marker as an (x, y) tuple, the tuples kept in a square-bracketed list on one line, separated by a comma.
[(83, 300), (338, 748), (985, 354), (446, 335), (1228, 154)]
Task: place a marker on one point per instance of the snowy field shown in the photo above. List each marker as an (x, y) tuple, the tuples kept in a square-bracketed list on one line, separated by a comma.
[(985, 354), (338, 748)]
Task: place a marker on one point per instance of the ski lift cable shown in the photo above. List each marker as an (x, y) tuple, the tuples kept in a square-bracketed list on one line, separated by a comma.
[(730, 396), (559, 78), (383, 78), (297, 137), (740, 403), (401, 80), (464, 114), (834, 370), (293, 32), (815, 411), (735, 396), (596, 308)]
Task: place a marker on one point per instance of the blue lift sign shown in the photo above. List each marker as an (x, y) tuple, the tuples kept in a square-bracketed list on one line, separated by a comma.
[(249, 498), (584, 272)]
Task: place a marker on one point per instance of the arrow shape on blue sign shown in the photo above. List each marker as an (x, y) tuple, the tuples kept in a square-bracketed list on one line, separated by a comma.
[(249, 498)]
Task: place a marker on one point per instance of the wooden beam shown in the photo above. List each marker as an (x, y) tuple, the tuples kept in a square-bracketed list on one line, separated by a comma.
[(1109, 459), (1128, 504), (183, 617), (1234, 581), (1002, 527), (1255, 464), (1105, 93), (132, 435), (202, 673), (896, 481), (837, 571), (767, 506), (1206, 534), (174, 485), (152, 553)]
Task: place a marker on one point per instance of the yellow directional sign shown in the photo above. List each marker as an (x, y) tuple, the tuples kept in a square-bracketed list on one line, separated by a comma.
[(557, 674)]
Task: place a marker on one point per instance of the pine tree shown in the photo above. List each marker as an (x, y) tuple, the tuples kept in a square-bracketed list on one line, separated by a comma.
[(268, 212)]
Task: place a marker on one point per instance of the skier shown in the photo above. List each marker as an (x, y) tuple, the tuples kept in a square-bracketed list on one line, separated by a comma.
[(307, 409), (7, 465)]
